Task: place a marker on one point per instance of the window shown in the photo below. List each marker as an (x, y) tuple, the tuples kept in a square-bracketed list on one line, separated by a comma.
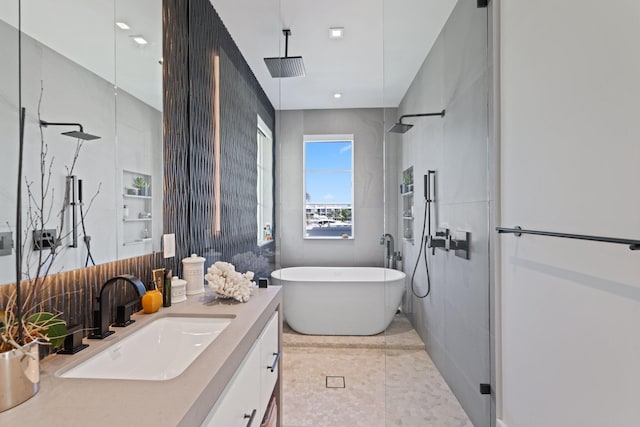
[(264, 184), (328, 186)]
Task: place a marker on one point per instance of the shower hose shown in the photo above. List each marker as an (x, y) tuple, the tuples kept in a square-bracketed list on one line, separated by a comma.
[(426, 220)]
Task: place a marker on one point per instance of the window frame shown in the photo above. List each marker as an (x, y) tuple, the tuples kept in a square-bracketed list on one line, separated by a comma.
[(264, 207), (327, 138)]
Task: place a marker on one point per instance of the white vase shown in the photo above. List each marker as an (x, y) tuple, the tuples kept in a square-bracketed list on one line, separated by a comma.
[(19, 375)]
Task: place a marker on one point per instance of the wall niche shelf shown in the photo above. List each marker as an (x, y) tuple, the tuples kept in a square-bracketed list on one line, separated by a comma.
[(136, 242), (136, 206), (133, 196), (406, 191)]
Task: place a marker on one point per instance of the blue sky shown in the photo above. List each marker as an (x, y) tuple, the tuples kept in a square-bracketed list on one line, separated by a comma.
[(328, 171)]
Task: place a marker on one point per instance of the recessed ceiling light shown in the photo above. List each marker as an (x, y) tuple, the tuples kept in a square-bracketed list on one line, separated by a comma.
[(122, 25), (337, 95), (140, 40), (336, 32)]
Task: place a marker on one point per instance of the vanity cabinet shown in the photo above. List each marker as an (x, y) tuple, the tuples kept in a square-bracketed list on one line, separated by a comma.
[(246, 397)]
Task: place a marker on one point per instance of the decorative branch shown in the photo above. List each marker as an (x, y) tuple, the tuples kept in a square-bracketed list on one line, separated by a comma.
[(39, 213)]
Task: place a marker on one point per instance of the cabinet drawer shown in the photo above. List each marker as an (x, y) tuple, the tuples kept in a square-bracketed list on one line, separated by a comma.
[(270, 359), (241, 398), (249, 391)]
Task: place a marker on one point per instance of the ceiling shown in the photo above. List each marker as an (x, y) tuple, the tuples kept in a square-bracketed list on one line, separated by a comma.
[(385, 43), (84, 32)]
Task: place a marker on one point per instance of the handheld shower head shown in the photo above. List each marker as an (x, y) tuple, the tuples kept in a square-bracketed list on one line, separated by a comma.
[(81, 134), (405, 127)]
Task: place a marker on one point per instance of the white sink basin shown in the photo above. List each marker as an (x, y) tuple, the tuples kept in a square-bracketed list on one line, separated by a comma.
[(161, 350)]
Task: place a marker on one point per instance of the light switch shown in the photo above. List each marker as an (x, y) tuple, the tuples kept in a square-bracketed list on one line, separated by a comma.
[(6, 243), (169, 245)]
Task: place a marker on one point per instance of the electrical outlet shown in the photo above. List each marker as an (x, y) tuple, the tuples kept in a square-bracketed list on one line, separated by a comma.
[(44, 239)]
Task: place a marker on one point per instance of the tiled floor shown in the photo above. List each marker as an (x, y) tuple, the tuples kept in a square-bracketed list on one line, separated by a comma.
[(389, 380)]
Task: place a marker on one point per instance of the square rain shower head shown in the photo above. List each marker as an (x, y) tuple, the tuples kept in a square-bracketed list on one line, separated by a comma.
[(287, 66), (80, 135), (400, 128)]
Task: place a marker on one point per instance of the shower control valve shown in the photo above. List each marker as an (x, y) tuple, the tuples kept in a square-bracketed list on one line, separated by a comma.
[(459, 241), (439, 240)]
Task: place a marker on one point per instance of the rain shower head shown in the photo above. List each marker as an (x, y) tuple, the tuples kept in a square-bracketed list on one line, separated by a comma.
[(400, 128), (404, 127), (285, 66), (79, 134)]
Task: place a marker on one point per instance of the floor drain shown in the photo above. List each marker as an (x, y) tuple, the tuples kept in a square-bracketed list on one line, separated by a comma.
[(335, 382)]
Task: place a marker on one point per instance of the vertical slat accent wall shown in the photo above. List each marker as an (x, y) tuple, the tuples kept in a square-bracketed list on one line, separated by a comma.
[(241, 100), (176, 214)]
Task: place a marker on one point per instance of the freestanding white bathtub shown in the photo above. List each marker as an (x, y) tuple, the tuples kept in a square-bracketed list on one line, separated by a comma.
[(339, 300)]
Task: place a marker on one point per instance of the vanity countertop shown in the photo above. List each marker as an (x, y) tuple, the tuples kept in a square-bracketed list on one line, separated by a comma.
[(181, 401)]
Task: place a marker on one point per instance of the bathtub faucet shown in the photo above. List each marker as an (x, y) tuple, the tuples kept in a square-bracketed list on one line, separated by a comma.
[(389, 256)]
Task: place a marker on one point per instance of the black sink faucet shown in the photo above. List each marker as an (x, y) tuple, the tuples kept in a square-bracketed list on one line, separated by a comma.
[(102, 316)]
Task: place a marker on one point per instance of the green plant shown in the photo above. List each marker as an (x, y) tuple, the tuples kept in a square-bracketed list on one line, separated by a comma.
[(42, 326), (139, 182), (407, 176)]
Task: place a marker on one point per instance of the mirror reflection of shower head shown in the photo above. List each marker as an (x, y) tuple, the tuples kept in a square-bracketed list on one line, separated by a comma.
[(404, 127), (285, 66), (81, 134)]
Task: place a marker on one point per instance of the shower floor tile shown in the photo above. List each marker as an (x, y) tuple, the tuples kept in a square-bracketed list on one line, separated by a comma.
[(307, 402), (384, 386)]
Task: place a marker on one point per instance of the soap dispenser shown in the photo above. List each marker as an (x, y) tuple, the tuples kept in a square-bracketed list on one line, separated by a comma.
[(166, 290), (152, 300)]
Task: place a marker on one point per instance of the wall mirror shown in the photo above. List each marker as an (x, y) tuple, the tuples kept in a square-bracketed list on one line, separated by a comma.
[(97, 64)]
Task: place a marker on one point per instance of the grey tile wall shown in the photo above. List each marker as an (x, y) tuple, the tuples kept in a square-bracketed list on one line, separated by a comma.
[(453, 320), (367, 127)]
